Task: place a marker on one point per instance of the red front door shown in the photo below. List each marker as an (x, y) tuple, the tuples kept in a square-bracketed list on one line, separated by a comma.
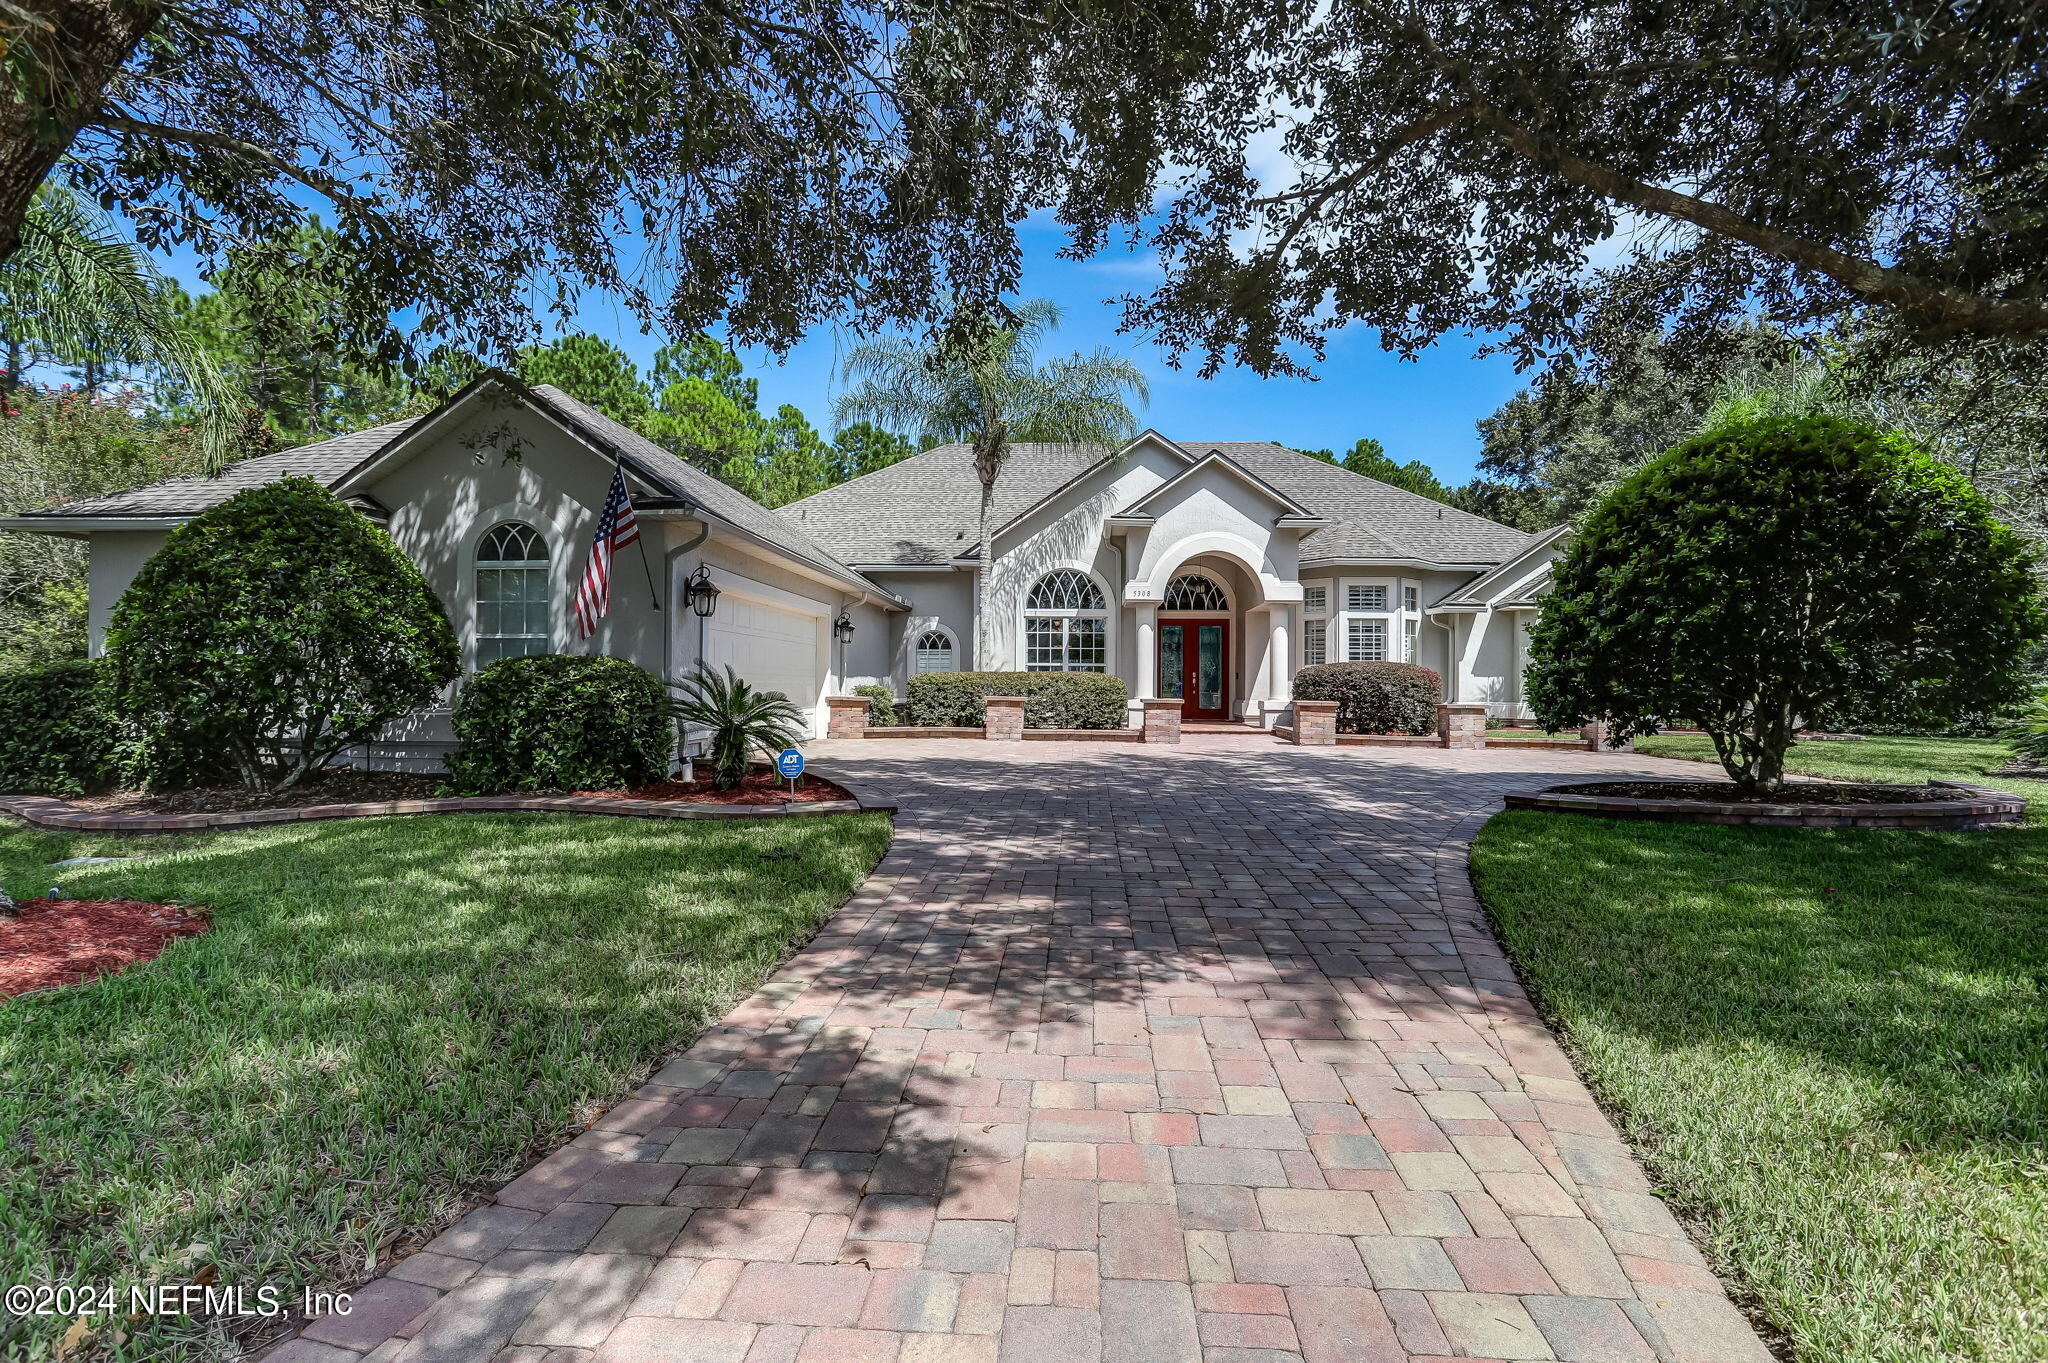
[(1194, 665)]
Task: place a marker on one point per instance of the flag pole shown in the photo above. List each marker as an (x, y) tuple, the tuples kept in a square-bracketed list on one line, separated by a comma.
[(646, 564)]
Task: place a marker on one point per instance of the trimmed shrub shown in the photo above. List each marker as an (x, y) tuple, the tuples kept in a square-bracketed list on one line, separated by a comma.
[(561, 722), (57, 734), (1375, 698), (881, 705), (1052, 700), (275, 630), (1778, 568)]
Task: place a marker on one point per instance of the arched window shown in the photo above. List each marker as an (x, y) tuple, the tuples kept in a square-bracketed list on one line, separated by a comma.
[(1066, 625), (1195, 592), (934, 652), (513, 603)]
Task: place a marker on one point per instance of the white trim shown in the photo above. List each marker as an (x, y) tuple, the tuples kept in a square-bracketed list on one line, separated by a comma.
[(58, 525), (1224, 544), (1022, 611), (558, 524), (1280, 499), (915, 639)]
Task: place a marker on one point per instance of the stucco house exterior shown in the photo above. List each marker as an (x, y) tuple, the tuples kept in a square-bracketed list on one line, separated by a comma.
[(1205, 570)]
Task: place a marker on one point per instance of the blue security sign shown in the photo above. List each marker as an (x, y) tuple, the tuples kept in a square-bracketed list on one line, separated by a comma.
[(789, 763)]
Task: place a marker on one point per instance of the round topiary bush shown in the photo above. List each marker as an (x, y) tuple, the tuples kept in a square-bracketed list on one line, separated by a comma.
[(57, 734), (275, 630), (1375, 698), (561, 722), (1778, 569)]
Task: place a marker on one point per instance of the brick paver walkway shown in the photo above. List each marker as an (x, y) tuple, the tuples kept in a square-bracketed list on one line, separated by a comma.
[(1200, 1053)]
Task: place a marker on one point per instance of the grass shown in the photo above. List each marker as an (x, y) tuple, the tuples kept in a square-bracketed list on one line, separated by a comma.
[(1832, 1044), (388, 1017)]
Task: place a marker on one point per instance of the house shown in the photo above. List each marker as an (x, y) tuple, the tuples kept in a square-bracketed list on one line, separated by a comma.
[(1204, 570)]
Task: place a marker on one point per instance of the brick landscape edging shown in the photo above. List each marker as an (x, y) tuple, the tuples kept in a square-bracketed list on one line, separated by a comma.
[(1986, 809), (47, 812)]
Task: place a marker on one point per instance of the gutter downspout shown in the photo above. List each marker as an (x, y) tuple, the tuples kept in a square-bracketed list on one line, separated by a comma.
[(668, 617)]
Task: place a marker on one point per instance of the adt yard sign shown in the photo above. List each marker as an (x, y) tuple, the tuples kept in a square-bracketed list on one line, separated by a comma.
[(790, 763)]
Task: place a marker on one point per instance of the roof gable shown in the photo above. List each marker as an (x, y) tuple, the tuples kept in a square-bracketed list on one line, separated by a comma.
[(1214, 459)]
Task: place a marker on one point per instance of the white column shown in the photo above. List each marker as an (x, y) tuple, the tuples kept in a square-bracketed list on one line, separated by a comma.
[(1148, 652), (1278, 656)]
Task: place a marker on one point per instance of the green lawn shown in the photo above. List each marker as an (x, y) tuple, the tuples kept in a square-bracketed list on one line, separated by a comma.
[(1831, 1044), (389, 1017)]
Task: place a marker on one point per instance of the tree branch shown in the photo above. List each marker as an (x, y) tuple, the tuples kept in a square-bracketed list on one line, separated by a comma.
[(1950, 308), (337, 192)]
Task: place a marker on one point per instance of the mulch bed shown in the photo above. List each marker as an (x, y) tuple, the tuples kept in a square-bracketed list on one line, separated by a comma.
[(760, 788), (65, 941), (345, 786), (1803, 793), (339, 786)]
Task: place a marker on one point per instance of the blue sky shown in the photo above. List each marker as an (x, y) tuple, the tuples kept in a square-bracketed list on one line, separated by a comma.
[(1423, 409)]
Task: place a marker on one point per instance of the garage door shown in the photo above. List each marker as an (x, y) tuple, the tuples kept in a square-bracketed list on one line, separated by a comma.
[(775, 649)]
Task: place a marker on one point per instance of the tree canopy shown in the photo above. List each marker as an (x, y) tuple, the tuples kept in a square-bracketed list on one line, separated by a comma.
[(980, 380), (1424, 167)]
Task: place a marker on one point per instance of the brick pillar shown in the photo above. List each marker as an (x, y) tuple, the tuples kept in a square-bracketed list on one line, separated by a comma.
[(1315, 723), (1002, 718), (1593, 735), (1162, 720), (1461, 725), (846, 716)]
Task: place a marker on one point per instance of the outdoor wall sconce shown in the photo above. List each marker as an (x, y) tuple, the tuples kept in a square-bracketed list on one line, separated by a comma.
[(842, 628), (699, 593)]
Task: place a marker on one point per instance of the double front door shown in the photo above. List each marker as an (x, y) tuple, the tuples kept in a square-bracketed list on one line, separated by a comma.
[(1194, 666)]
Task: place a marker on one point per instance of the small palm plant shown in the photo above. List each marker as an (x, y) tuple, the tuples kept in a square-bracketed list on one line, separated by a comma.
[(2030, 733), (741, 719)]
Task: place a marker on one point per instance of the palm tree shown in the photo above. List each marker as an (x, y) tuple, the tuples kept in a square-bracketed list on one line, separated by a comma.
[(978, 380), (741, 720), (76, 291)]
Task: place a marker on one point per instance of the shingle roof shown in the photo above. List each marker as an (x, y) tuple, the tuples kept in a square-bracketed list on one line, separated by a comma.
[(684, 479), (923, 510), (330, 461), (325, 461)]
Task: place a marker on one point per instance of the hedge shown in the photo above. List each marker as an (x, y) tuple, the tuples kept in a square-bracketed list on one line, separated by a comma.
[(1375, 698), (57, 734), (1052, 700), (881, 705), (560, 722)]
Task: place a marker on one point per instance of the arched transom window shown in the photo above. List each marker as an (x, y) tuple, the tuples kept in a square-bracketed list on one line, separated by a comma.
[(934, 652), (1195, 592), (512, 597), (1066, 625)]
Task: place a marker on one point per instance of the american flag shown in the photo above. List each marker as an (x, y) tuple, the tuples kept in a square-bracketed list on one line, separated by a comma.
[(616, 529)]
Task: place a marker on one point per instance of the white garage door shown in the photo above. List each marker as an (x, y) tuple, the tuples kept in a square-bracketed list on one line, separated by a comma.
[(775, 649)]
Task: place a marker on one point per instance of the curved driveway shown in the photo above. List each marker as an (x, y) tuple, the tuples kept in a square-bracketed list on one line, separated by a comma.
[(1123, 1053)]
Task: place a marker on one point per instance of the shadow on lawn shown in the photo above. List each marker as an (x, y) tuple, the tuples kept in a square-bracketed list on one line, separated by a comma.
[(388, 1018), (1914, 960)]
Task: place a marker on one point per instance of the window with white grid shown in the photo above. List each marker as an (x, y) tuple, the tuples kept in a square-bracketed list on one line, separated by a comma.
[(513, 603), (1410, 596), (1366, 641), (1413, 641), (1366, 597), (1066, 627), (1313, 641), (934, 652), (1315, 600)]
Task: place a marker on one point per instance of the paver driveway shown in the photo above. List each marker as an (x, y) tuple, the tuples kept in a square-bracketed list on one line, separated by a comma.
[(1123, 1053)]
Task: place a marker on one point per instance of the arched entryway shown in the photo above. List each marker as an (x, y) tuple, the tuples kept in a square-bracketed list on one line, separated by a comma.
[(1197, 660)]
